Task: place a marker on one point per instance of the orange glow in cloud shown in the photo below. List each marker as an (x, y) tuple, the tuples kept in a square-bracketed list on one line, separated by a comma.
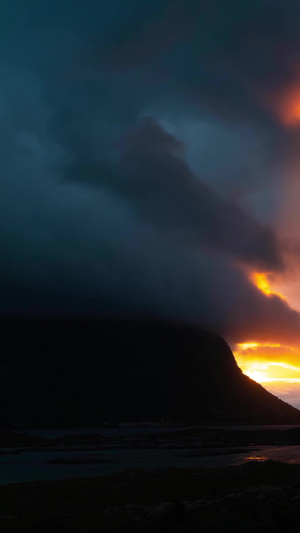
[(289, 107), (284, 102), (262, 282)]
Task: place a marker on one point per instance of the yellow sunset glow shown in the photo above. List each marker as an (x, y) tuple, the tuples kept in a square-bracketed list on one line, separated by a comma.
[(262, 282), (247, 345), (257, 375), (275, 366)]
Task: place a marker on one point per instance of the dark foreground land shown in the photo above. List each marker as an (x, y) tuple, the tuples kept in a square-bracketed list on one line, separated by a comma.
[(257, 496), (254, 497)]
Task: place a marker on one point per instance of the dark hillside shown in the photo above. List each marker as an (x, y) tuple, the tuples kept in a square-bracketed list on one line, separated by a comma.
[(85, 371)]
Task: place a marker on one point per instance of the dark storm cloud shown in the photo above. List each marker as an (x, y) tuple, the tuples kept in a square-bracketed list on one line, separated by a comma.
[(188, 60), (215, 54), (85, 231), (155, 178)]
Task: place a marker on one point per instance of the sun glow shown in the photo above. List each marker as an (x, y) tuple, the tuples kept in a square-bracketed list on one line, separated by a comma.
[(274, 365), (247, 345), (258, 375), (267, 362)]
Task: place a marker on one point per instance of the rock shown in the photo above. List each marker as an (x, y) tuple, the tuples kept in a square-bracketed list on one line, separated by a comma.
[(269, 492)]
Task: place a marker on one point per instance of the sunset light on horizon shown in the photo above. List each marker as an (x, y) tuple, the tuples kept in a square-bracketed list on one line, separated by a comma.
[(274, 365)]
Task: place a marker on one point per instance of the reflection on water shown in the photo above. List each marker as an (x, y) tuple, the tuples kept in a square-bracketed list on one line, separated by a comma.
[(258, 459), (286, 454)]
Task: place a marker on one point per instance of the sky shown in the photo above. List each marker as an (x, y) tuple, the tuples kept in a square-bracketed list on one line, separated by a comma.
[(150, 168)]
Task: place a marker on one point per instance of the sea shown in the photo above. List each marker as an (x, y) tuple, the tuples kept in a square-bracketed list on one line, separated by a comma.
[(19, 466)]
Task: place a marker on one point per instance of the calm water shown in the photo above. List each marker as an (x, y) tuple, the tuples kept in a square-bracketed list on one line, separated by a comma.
[(131, 431), (33, 466), (105, 431)]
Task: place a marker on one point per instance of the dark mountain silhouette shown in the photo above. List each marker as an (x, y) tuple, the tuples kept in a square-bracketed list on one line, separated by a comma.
[(82, 371)]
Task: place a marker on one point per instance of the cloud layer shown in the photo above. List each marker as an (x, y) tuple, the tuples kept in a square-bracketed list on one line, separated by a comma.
[(144, 158)]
